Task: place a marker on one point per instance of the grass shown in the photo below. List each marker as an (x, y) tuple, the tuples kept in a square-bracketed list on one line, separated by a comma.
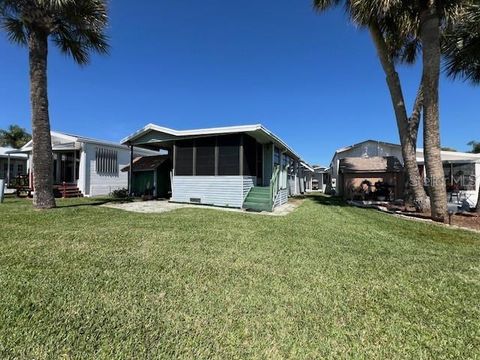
[(327, 281)]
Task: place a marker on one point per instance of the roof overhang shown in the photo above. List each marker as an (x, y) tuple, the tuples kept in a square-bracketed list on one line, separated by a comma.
[(308, 167), (57, 147), (153, 136), (14, 154)]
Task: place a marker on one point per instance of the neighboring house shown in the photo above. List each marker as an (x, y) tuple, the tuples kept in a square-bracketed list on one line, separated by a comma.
[(360, 174), (12, 164), (239, 166), (306, 174), (462, 170), (321, 178), (85, 166)]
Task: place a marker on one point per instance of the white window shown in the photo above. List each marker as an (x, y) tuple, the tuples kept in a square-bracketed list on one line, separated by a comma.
[(106, 161)]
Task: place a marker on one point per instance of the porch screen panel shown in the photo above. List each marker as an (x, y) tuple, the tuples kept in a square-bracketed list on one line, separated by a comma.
[(205, 158), (464, 176), (259, 160), (277, 156), (184, 158), (249, 156), (229, 155)]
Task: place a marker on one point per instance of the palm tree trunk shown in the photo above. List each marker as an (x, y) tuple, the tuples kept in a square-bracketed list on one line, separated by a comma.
[(430, 37), (42, 144), (477, 209), (407, 130)]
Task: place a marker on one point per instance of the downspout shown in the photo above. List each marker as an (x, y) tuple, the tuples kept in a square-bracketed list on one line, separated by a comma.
[(130, 172), (8, 169), (84, 181)]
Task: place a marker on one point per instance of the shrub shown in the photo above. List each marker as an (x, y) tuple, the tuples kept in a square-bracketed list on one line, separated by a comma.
[(120, 193)]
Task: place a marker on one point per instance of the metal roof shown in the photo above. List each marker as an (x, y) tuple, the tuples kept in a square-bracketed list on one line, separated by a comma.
[(257, 128), (71, 142), (14, 153), (446, 155), (145, 163)]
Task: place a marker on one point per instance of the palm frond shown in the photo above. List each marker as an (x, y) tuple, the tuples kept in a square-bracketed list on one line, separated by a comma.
[(14, 29), (322, 5), (80, 29), (77, 27), (461, 44)]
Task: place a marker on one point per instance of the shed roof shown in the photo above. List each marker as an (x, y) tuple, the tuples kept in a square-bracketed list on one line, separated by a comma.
[(145, 163), (371, 164)]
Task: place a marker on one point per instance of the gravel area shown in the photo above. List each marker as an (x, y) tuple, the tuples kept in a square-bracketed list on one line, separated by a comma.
[(161, 206)]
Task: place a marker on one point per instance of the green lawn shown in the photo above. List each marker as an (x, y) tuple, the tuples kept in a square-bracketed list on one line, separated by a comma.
[(327, 281)]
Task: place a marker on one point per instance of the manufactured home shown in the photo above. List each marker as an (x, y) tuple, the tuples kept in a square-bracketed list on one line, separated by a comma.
[(238, 166), (306, 177), (462, 170), (12, 164), (84, 166)]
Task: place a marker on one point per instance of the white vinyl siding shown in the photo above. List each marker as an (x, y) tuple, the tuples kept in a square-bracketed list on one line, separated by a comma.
[(248, 183), (282, 198), (228, 191), (94, 183)]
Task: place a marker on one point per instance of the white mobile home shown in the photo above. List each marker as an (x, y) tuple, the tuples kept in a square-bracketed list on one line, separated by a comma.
[(239, 166), (462, 170), (84, 166), (12, 164)]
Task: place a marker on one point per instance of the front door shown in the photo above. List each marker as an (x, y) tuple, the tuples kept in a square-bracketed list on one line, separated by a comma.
[(65, 167)]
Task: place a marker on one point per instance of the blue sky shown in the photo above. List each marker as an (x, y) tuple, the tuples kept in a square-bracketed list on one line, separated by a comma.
[(312, 79)]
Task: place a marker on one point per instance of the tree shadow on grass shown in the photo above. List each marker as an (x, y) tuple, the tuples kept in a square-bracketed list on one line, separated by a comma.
[(93, 202), (328, 200)]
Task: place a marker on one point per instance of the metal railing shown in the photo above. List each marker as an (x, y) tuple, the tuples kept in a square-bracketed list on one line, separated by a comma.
[(274, 185)]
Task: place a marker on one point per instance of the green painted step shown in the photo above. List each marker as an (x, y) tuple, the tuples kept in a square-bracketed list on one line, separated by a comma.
[(260, 190), (257, 207), (258, 199)]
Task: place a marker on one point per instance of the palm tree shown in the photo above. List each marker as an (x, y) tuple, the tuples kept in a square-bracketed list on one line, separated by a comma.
[(77, 28), (461, 47), (430, 36), (461, 44), (475, 147), (400, 30), (14, 136), (392, 48)]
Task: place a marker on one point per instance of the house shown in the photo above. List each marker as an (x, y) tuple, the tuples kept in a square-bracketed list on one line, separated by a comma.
[(306, 174), (362, 175), (12, 164), (321, 178), (238, 166), (84, 166), (462, 170)]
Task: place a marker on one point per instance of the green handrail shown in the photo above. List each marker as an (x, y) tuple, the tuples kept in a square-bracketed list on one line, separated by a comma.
[(274, 185)]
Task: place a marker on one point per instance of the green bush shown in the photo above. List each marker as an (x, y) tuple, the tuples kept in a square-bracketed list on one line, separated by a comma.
[(120, 193)]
